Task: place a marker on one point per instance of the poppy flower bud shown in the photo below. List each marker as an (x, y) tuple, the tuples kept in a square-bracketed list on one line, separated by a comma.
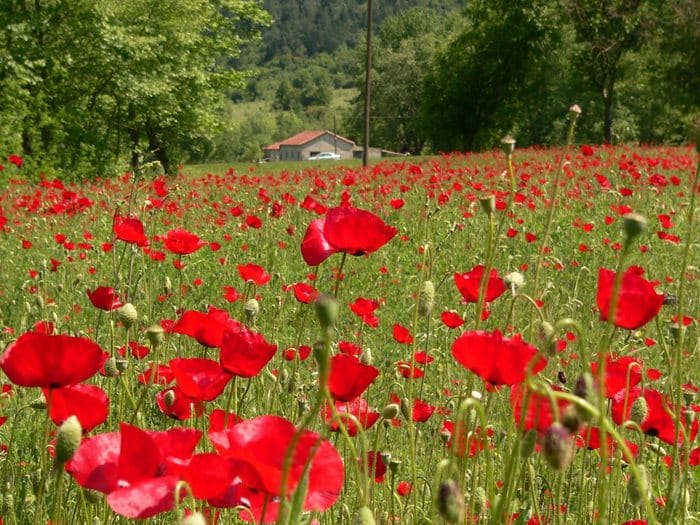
[(639, 489), (127, 314), (556, 446), (634, 224), (527, 443), (508, 145), (657, 449), (39, 302), (321, 356), (405, 408), (167, 286), (426, 298), (585, 389), (39, 403), (639, 411), (394, 465), (155, 335), (110, 366), (363, 516), (450, 502), (488, 204), (169, 398), (196, 518), (68, 439), (545, 334), (390, 411), (326, 311), (570, 419), (366, 357), (252, 308)]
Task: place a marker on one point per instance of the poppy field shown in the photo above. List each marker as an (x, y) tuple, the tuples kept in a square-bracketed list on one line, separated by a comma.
[(507, 337)]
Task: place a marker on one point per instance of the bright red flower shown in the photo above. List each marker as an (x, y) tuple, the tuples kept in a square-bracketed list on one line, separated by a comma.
[(344, 229), (244, 352), (221, 420), (422, 410), (254, 273), (637, 302), (16, 160), (314, 247), (50, 361), (359, 408), (468, 285), (404, 368), (260, 446), (538, 413), (200, 379), (157, 375), (451, 319), (89, 403), (130, 466), (374, 466), (136, 350), (348, 377), (364, 309), (208, 329), (621, 372), (461, 441), (403, 488), (305, 293), (497, 359), (209, 475), (401, 334), (182, 242), (130, 230), (104, 298), (174, 403), (659, 419)]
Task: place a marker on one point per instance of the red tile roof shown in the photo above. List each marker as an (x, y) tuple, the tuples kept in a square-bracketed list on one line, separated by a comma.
[(304, 138)]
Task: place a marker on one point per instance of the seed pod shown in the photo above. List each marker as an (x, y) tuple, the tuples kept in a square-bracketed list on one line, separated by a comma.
[(110, 366), (488, 204), (167, 286), (508, 145), (366, 357), (639, 411), (634, 224), (326, 311), (251, 309), (127, 314), (155, 335), (68, 439), (169, 398), (426, 298), (570, 419), (556, 446), (639, 490)]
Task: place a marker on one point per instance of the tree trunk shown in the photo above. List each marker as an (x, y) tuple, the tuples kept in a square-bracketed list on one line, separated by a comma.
[(159, 150), (607, 122)]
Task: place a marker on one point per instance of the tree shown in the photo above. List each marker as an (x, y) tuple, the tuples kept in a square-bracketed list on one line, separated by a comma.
[(606, 31), (94, 81)]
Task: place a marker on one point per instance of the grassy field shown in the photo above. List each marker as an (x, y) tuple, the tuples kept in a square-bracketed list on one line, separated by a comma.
[(446, 339)]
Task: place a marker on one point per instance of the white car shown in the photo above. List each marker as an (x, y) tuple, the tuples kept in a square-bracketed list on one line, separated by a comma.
[(325, 155)]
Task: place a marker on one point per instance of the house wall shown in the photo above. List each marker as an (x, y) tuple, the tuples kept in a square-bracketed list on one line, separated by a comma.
[(320, 144)]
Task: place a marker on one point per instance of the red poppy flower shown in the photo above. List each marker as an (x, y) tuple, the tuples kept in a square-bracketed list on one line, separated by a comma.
[(200, 379), (404, 368), (468, 285), (157, 375), (461, 441), (348, 377), (314, 248), (346, 347), (659, 419), (254, 273), (344, 229), (305, 293), (88, 403), (208, 329), (497, 359), (136, 350), (637, 302), (590, 438), (130, 230), (302, 353), (403, 488), (130, 466), (374, 466), (359, 408), (621, 372), (260, 446), (174, 403), (364, 309), (104, 298), (401, 334), (221, 420), (422, 410), (209, 475), (244, 352), (451, 319), (538, 413), (182, 242), (16, 160), (50, 361)]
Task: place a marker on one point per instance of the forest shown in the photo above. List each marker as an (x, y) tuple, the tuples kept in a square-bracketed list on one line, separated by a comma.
[(91, 87)]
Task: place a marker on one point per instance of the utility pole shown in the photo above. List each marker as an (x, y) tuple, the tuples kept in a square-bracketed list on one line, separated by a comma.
[(368, 83)]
